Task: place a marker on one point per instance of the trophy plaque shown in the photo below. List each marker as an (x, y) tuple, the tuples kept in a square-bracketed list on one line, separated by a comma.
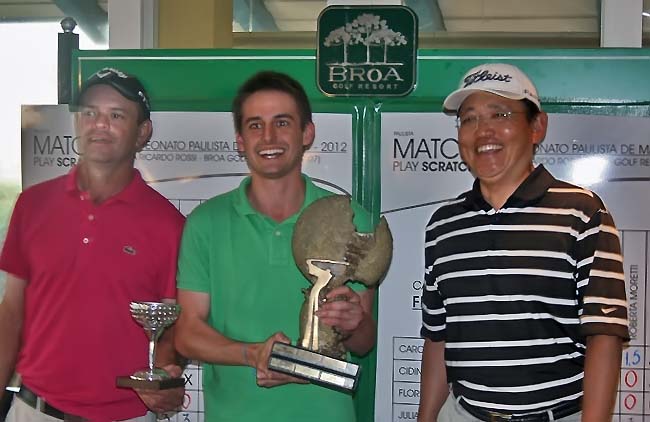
[(329, 251), (154, 317)]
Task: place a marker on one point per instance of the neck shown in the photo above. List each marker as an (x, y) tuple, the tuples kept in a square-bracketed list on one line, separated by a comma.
[(278, 199), (497, 193), (496, 198), (102, 183)]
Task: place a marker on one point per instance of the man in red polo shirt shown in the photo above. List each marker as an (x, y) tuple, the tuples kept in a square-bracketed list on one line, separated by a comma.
[(79, 248)]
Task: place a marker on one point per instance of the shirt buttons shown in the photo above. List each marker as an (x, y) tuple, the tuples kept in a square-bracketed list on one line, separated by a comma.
[(278, 233), (91, 217), (85, 240)]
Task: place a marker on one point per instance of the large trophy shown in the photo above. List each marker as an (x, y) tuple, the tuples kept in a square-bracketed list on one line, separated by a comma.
[(154, 317), (329, 251)]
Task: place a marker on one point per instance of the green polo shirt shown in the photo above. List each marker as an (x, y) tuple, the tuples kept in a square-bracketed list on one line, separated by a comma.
[(243, 260)]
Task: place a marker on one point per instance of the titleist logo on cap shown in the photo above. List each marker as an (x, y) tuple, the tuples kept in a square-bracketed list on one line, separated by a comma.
[(485, 75)]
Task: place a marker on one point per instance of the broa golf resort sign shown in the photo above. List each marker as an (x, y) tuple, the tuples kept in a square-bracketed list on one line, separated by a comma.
[(366, 51)]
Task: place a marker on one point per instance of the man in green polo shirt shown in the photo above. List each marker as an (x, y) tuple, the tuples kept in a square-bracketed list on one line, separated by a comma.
[(239, 287)]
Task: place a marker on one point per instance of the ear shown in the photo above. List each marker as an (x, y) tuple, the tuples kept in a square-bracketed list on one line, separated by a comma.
[(308, 135), (145, 130), (539, 126)]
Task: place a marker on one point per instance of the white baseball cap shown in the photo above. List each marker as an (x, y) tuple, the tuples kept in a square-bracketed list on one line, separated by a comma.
[(498, 78)]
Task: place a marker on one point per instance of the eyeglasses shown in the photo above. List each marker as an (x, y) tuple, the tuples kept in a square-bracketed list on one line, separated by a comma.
[(497, 118)]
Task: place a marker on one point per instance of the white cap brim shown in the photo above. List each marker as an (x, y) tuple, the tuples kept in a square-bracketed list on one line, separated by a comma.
[(454, 100)]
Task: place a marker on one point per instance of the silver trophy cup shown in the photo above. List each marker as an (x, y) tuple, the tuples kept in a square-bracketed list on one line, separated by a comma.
[(154, 317)]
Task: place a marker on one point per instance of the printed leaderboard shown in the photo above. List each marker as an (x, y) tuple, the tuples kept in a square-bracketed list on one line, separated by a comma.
[(633, 400), (407, 356)]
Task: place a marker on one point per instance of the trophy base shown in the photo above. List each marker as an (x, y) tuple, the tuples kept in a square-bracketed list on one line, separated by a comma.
[(319, 369), (158, 380)]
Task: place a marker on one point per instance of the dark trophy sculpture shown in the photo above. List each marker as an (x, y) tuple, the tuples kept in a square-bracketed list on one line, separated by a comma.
[(329, 251), (154, 317)]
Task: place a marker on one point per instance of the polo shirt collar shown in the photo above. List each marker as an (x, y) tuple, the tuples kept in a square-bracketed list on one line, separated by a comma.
[(131, 193), (243, 206), (530, 190)]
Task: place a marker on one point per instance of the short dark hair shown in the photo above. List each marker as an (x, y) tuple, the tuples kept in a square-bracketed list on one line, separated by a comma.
[(271, 81), (531, 110)]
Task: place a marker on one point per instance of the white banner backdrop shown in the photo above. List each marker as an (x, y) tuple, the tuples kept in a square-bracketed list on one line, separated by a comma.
[(190, 158), (421, 169)]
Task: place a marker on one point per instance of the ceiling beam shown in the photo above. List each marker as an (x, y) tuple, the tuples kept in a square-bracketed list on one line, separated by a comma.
[(253, 16), (91, 18), (429, 15)]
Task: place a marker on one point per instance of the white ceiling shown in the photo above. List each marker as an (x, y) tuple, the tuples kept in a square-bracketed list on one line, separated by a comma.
[(473, 15), (521, 16), (295, 15), (458, 15)]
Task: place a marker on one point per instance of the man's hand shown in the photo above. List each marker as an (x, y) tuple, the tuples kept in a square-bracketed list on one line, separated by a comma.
[(160, 401), (259, 355), (342, 310)]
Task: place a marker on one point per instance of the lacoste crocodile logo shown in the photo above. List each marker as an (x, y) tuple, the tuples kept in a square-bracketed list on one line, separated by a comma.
[(129, 250)]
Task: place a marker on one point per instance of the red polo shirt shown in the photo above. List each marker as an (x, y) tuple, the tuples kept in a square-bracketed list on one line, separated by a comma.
[(83, 264)]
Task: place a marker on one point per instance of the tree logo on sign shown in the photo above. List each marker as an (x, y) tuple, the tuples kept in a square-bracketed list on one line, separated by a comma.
[(365, 50)]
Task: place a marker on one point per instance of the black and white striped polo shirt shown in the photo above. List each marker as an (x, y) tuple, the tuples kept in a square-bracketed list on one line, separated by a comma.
[(514, 292)]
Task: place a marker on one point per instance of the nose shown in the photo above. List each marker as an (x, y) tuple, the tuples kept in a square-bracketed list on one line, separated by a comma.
[(484, 124), (101, 120), (268, 133)]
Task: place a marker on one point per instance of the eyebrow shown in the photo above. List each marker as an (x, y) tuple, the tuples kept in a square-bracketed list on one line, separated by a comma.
[(277, 116), (94, 107), (284, 116)]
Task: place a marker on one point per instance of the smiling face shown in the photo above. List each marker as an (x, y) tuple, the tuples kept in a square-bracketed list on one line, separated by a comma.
[(499, 147), (108, 128), (271, 136)]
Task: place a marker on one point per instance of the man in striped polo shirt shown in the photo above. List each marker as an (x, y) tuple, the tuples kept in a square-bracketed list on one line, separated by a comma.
[(524, 310)]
